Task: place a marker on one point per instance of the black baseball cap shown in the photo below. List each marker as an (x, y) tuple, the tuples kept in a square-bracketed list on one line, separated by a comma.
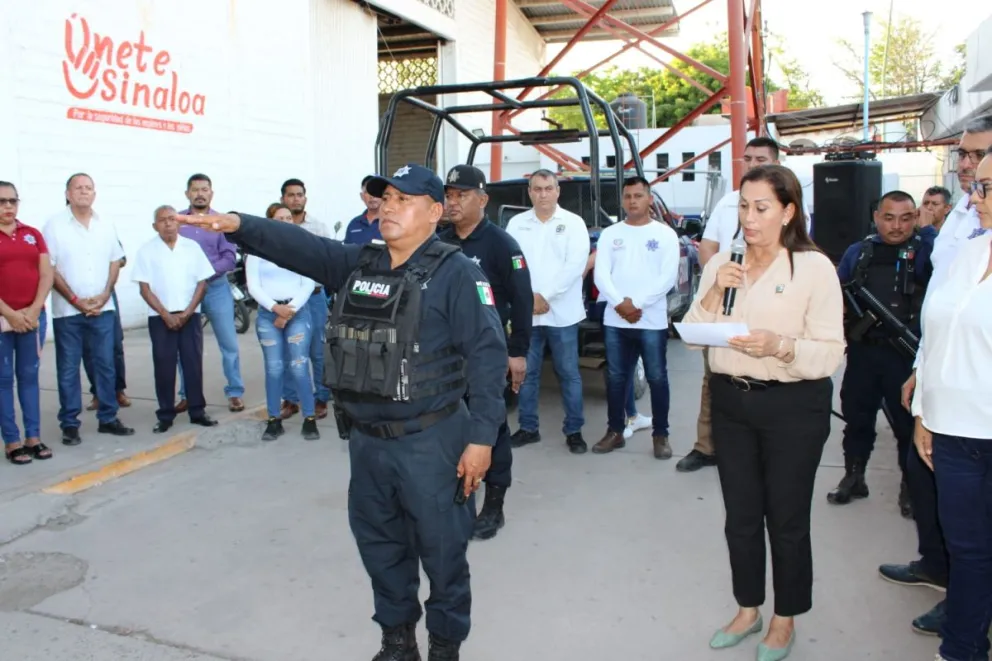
[(466, 177), (411, 179)]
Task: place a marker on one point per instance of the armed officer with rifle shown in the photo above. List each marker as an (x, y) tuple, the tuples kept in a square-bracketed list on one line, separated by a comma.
[(417, 362), (884, 278)]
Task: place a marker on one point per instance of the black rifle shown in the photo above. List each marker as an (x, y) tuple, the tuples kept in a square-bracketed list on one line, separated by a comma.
[(871, 313)]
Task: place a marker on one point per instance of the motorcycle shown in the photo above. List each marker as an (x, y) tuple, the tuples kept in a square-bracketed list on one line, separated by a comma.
[(242, 299)]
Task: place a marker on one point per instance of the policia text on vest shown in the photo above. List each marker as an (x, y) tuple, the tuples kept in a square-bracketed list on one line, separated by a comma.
[(419, 363)]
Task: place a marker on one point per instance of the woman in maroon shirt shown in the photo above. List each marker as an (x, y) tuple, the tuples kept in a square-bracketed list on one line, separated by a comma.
[(25, 280)]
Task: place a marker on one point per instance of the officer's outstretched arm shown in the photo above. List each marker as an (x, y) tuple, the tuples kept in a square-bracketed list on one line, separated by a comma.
[(477, 335), (326, 261)]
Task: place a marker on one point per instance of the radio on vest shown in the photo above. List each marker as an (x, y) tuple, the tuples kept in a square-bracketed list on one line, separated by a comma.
[(737, 250)]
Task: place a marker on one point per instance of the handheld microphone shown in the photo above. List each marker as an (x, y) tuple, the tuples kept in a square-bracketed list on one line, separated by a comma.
[(737, 250)]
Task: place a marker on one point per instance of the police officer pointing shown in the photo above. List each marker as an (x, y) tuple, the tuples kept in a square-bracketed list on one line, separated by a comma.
[(894, 267), (412, 331), (500, 258)]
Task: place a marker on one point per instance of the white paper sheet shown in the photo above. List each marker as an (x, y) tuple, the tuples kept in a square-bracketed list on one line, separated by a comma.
[(710, 335)]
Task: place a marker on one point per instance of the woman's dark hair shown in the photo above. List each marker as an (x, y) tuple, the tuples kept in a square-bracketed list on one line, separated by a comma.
[(275, 206), (788, 191), (7, 184)]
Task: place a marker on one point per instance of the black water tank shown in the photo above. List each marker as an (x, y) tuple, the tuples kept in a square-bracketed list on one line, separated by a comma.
[(633, 112)]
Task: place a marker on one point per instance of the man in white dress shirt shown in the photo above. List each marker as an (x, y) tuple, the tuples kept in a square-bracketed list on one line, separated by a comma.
[(719, 233), (961, 225), (172, 273), (294, 196), (637, 264), (555, 244), (86, 254), (962, 221)]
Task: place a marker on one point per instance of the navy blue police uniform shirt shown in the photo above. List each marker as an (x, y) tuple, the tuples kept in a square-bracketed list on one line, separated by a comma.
[(499, 256), (453, 313), (923, 268), (362, 232)]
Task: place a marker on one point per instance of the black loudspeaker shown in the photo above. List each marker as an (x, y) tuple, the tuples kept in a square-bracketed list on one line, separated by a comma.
[(845, 195)]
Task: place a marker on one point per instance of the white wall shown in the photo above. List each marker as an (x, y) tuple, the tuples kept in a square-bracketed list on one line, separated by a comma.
[(961, 104), (274, 104), (469, 58)]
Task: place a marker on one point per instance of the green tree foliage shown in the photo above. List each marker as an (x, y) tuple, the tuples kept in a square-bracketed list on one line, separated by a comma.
[(954, 76), (909, 65), (669, 96)]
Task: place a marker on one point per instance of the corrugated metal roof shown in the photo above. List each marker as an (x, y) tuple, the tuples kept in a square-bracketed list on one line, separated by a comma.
[(557, 22), (820, 119)]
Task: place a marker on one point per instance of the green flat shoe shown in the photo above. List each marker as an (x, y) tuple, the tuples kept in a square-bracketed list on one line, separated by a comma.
[(722, 639), (766, 653)]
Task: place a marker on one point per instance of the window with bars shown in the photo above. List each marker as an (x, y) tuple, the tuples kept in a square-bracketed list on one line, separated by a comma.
[(662, 163), (395, 75), (716, 162), (688, 173)]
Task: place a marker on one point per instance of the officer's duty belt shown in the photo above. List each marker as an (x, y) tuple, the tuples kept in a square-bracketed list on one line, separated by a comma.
[(398, 428), (746, 383)]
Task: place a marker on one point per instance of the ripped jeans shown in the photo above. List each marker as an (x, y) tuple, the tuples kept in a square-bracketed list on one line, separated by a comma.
[(292, 341)]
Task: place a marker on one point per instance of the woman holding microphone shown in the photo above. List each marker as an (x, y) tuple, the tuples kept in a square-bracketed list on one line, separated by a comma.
[(954, 427), (771, 400)]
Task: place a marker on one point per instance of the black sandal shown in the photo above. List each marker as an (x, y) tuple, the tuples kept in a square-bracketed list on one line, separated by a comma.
[(19, 456), (40, 451)]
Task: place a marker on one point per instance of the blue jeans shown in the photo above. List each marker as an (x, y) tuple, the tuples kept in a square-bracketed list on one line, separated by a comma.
[(294, 339), (120, 369), (623, 347), (316, 307), (20, 359), (630, 407), (97, 335), (564, 344), (963, 471), (218, 305)]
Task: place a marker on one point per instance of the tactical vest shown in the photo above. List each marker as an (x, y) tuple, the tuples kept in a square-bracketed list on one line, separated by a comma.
[(889, 273), (373, 350)]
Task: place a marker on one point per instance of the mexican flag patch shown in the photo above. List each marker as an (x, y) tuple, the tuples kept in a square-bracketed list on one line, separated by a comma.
[(485, 293), (519, 263)]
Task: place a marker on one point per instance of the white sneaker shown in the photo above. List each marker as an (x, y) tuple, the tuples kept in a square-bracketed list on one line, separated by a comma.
[(635, 424)]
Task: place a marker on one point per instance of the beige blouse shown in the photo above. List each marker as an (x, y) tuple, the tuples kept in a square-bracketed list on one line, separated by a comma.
[(807, 306)]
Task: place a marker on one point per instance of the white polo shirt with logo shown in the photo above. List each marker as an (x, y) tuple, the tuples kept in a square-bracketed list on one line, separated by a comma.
[(556, 252)]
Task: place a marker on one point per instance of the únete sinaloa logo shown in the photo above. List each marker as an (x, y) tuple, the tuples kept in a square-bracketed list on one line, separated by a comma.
[(124, 72)]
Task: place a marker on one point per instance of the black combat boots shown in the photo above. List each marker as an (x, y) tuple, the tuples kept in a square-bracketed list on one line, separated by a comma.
[(491, 518), (441, 649), (852, 485), (399, 644)]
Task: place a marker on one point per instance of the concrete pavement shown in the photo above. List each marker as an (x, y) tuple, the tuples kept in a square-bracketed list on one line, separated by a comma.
[(241, 550), (98, 450)]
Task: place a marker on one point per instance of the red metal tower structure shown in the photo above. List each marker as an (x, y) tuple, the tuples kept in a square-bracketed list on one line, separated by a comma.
[(746, 71)]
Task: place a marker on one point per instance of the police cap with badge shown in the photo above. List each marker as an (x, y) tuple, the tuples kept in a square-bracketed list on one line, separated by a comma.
[(411, 179), (466, 177)]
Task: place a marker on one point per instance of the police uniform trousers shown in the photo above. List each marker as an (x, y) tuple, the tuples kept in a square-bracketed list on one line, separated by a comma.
[(500, 470), (402, 512), (874, 375)]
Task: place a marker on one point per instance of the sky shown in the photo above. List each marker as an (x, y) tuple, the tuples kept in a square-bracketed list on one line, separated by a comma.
[(810, 40)]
